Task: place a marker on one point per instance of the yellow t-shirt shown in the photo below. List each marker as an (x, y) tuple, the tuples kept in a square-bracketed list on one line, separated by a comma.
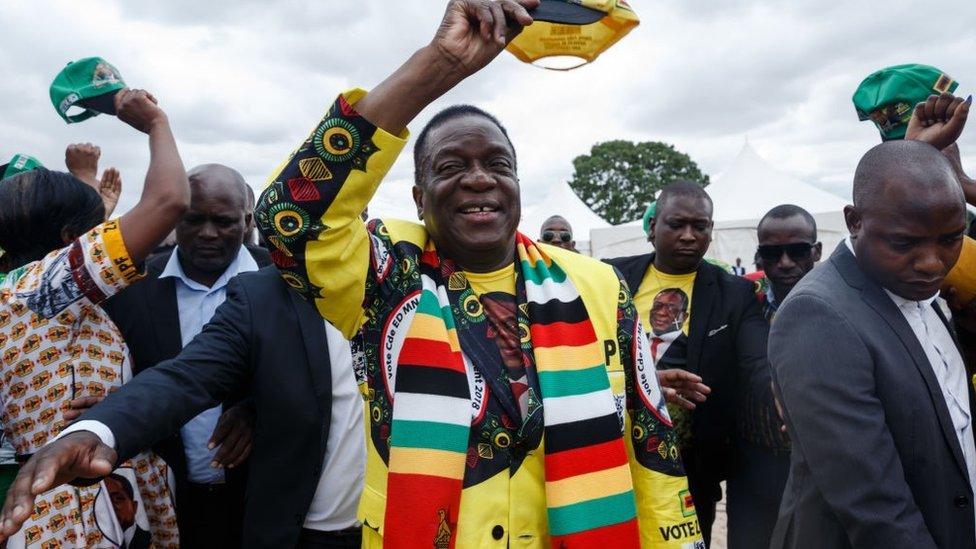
[(663, 301), (502, 280), (663, 304)]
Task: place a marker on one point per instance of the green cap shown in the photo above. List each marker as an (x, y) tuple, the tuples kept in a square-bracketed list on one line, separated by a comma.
[(80, 80), (649, 215), (18, 164), (888, 96)]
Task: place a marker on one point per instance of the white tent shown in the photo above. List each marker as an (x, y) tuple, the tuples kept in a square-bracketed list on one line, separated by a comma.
[(562, 200), (747, 189)]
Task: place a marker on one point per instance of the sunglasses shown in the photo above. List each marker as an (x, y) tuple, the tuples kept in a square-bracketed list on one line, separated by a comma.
[(799, 251), (550, 236)]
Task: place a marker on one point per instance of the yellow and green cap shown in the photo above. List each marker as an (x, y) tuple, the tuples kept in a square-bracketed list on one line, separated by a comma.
[(576, 28), (20, 163), (80, 82), (887, 97)]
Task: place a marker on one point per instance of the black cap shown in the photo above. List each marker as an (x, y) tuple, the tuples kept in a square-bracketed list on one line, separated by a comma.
[(566, 12)]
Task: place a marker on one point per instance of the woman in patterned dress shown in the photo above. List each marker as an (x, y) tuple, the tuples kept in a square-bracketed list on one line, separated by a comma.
[(57, 345)]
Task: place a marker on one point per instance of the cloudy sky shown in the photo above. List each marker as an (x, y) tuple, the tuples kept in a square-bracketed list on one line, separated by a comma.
[(243, 81)]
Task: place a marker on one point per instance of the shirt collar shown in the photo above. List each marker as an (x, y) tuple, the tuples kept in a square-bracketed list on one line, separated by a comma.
[(902, 302), (243, 263), (770, 297)]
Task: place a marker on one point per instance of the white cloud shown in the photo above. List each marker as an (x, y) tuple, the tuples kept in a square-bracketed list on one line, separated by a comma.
[(243, 81)]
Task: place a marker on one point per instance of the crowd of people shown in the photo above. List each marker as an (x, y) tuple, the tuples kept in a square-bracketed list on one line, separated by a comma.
[(214, 370)]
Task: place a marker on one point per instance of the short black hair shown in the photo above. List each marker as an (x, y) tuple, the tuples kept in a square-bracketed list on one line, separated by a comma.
[(451, 113), (786, 211), (903, 160), (681, 187), (35, 207), (126, 485)]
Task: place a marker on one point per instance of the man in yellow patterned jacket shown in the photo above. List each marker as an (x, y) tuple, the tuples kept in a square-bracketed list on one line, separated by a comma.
[(509, 398)]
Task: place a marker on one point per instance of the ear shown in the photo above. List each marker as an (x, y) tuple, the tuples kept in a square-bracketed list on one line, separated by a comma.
[(854, 220), (817, 251), (248, 219), (650, 233), (418, 199)]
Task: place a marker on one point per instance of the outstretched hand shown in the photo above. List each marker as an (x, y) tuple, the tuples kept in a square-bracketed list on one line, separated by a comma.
[(682, 387), (78, 455), (473, 32), (939, 120), (110, 188)]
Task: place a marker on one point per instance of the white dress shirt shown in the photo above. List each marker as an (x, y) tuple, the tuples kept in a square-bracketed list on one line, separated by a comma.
[(197, 304), (344, 468), (947, 364)]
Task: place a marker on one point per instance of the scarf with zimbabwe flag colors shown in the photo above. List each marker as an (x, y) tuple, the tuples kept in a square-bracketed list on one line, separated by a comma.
[(589, 492)]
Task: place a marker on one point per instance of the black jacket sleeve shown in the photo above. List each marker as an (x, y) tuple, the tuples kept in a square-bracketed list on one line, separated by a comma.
[(156, 403)]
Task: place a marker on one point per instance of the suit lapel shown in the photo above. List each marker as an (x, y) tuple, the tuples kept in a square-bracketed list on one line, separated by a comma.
[(877, 299), (969, 378), (703, 297), (316, 346), (635, 274)]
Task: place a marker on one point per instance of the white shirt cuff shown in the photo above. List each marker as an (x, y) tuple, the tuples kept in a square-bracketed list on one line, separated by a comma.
[(97, 427)]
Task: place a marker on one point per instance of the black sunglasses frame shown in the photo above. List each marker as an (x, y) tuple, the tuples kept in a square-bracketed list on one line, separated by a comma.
[(798, 251), (550, 236)]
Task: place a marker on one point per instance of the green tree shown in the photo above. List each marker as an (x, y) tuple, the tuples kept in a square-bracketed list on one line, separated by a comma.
[(618, 179)]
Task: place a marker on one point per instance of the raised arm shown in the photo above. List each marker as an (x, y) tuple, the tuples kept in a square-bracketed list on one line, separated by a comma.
[(166, 193), (310, 210), (836, 422)]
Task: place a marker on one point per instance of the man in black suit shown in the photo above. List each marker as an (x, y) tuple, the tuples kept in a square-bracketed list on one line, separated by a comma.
[(704, 320), (163, 312), (301, 378), (877, 399)]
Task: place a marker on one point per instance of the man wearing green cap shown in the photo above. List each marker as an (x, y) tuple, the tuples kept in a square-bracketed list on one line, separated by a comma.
[(698, 318), (648, 216), (18, 164)]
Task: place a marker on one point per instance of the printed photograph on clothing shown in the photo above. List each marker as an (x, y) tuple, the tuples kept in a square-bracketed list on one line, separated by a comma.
[(669, 311), (120, 511)]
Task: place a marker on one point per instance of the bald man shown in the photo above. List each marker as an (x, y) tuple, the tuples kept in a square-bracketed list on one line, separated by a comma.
[(874, 388), (159, 315), (558, 232)]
